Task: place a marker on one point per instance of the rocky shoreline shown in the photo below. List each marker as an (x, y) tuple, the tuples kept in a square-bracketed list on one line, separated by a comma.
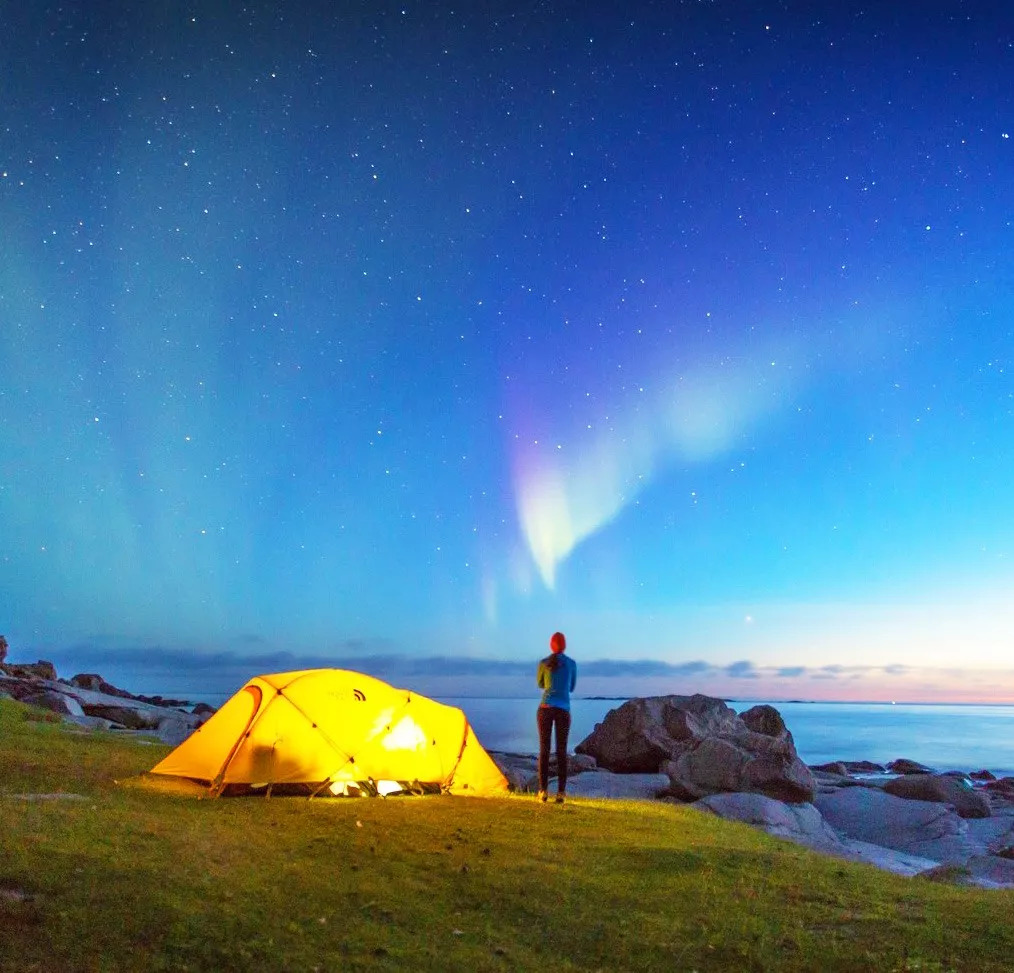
[(88, 701), (903, 817)]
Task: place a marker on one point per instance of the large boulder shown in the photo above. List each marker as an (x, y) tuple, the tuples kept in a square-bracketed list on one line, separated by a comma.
[(3, 648), (944, 789), (703, 746)]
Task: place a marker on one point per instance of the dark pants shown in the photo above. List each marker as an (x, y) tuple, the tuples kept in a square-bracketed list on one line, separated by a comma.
[(547, 717)]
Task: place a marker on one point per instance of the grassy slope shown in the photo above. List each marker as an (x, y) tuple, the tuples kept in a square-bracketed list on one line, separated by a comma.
[(136, 879)]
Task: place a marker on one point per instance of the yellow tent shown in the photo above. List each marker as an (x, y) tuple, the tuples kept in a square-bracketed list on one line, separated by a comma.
[(333, 731)]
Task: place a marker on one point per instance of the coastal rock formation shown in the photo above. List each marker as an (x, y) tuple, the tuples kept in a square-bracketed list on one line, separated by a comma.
[(944, 789), (125, 716), (522, 770), (799, 823), (89, 701), (626, 786), (703, 746), (53, 701), (30, 670), (906, 766), (924, 828), (1002, 787), (96, 684)]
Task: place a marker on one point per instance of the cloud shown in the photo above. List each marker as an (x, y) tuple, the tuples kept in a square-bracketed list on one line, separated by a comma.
[(790, 672), (115, 651), (376, 656), (642, 667), (181, 672), (897, 670), (742, 670)]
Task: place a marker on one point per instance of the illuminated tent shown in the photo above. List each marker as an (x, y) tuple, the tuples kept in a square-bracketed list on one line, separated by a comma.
[(330, 731)]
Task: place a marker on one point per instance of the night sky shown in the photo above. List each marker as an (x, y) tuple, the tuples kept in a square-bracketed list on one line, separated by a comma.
[(398, 336)]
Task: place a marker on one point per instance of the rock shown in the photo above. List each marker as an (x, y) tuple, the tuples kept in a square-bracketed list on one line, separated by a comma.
[(54, 701), (905, 766), (804, 825), (836, 767), (767, 720), (603, 784), (518, 768), (636, 737), (203, 709), (3, 648), (96, 684), (984, 871), (828, 781), (888, 859), (863, 767), (173, 729), (32, 670), (719, 764), (943, 789), (522, 770), (994, 869), (161, 701), (126, 716), (994, 832), (703, 746), (982, 775), (576, 763), (1003, 786), (89, 722), (923, 828), (800, 823)]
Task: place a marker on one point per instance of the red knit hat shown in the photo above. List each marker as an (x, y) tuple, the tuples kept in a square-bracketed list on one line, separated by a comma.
[(558, 642)]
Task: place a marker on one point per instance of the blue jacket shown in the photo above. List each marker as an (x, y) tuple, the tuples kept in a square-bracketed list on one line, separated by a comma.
[(557, 685)]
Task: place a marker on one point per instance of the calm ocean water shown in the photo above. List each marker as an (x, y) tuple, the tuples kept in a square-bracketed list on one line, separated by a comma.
[(945, 737)]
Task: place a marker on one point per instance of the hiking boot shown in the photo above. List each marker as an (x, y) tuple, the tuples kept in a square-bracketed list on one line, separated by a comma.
[(559, 798), (543, 796)]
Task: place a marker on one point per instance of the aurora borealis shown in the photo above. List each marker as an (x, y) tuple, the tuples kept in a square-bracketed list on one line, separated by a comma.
[(403, 335)]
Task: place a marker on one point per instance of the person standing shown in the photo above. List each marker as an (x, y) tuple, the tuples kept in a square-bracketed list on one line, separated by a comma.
[(556, 677)]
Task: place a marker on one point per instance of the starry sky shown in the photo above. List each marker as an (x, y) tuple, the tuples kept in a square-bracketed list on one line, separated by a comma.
[(397, 336)]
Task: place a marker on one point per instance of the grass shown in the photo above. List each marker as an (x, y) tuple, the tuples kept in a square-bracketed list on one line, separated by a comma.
[(135, 878)]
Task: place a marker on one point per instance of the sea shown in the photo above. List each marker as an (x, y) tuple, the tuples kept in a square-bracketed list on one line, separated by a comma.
[(943, 736), (963, 737)]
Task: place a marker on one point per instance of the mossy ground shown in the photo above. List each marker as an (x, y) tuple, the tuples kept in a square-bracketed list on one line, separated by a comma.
[(140, 878)]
